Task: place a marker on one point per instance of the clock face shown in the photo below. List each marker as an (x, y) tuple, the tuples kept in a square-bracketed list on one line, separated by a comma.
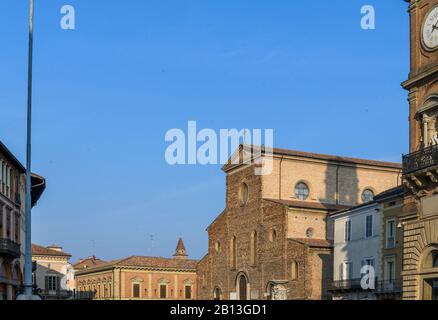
[(430, 30)]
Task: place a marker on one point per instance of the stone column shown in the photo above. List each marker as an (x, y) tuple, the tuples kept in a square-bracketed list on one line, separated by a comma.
[(425, 130), (4, 221)]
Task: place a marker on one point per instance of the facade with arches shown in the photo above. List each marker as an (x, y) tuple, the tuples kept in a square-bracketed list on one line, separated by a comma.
[(420, 167), (273, 240), (12, 221), (140, 278)]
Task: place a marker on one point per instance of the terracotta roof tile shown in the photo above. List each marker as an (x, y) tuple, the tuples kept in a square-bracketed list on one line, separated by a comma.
[(43, 251), (88, 263)]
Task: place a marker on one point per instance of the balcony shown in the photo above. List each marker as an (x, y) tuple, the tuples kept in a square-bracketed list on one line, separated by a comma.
[(9, 248), (345, 285), (420, 160), (393, 287)]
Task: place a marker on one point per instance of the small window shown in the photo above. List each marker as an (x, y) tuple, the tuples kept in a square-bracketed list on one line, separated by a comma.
[(217, 246), (136, 290), (369, 226), (163, 291), (244, 194), (347, 230), (302, 191), (367, 195), (390, 234), (188, 292), (294, 271), (309, 233), (52, 283), (273, 235), (217, 293)]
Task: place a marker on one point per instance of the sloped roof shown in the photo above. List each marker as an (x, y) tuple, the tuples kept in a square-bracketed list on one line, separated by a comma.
[(88, 263), (320, 243), (180, 250), (309, 205), (146, 262), (38, 250), (257, 150)]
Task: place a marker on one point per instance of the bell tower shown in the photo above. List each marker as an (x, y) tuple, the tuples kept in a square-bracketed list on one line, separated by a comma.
[(420, 166)]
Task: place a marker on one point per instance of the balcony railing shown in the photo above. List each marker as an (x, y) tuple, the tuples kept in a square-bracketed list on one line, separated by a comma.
[(9, 248), (420, 159), (389, 287), (351, 284)]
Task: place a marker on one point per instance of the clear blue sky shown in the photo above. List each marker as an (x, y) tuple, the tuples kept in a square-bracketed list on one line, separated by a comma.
[(106, 93)]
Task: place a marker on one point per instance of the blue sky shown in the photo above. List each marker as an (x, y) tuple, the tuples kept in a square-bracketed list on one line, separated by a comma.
[(106, 93)]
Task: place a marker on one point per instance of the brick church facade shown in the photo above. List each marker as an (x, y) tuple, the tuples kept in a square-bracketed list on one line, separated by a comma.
[(273, 241)]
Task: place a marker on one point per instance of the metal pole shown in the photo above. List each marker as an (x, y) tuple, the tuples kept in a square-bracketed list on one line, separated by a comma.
[(28, 206)]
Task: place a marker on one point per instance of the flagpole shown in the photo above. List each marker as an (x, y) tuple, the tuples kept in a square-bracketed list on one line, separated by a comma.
[(28, 205)]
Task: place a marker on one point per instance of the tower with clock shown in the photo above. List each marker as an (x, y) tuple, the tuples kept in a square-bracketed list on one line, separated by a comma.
[(419, 222)]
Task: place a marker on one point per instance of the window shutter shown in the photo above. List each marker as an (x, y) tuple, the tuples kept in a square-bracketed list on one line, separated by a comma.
[(46, 284), (58, 284)]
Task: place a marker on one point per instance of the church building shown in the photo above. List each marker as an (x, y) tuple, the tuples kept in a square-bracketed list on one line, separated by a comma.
[(273, 239)]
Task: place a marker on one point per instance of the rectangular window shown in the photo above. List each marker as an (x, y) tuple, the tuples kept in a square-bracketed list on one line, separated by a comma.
[(390, 270), (369, 226), (163, 291), (367, 262), (390, 234), (136, 290), (188, 292), (347, 230), (435, 290), (51, 283), (348, 270)]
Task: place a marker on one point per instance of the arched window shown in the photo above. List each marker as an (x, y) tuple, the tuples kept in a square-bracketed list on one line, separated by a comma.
[(253, 250), (302, 191), (233, 254), (309, 233), (273, 235), (367, 195), (243, 194), (217, 246), (294, 270), (217, 293)]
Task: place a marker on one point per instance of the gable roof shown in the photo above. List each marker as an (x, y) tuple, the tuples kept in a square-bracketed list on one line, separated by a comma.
[(38, 250), (88, 263), (256, 151), (161, 263)]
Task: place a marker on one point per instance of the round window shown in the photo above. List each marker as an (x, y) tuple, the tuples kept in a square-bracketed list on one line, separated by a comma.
[(367, 195), (301, 191), (244, 194)]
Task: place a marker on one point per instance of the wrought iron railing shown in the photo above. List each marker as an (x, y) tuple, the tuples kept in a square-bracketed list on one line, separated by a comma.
[(420, 159), (350, 284), (390, 286), (9, 248)]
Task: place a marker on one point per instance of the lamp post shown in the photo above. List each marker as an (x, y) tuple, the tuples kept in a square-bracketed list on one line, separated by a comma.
[(28, 294)]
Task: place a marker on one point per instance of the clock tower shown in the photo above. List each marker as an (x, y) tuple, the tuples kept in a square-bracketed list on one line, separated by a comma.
[(420, 166)]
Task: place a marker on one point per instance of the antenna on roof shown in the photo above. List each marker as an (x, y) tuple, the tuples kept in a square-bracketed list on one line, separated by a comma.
[(151, 244)]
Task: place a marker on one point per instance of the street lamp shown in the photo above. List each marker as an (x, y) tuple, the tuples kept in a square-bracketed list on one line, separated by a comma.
[(28, 285)]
